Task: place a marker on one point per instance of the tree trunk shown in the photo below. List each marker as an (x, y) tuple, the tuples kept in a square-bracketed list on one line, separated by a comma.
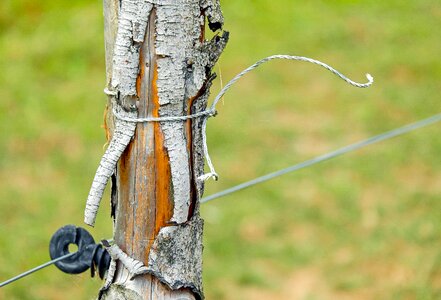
[(159, 64)]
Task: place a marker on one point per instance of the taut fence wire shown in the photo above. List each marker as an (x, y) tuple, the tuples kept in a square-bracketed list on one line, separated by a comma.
[(352, 147)]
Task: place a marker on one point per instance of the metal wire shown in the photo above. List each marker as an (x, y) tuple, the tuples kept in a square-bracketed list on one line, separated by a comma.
[(29, 272), (327, 156), (375, 139), (210, 112), (42, 266)]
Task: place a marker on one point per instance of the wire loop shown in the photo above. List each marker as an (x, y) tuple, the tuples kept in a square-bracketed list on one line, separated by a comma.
[(211, 112)]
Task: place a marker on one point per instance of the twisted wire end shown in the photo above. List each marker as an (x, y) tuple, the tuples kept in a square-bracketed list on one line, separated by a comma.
[(207, 176), (362, 85), (370, 78)]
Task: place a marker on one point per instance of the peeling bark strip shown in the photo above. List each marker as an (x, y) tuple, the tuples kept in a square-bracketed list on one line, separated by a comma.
[(182, 72), (161, 66), (122, 136), (132, 23), (177, 33)]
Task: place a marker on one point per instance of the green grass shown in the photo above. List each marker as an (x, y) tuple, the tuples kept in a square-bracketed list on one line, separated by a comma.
[(363, 226)]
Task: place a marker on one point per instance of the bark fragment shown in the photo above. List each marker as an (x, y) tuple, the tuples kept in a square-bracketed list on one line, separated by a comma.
[(172, 256)]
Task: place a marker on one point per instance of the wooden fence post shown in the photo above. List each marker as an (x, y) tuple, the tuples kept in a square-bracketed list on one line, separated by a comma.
[(157, 50)]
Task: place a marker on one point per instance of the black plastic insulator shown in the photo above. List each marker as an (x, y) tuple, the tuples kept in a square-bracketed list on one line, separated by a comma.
[(89, 254)]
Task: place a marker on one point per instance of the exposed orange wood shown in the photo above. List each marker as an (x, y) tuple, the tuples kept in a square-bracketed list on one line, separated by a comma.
[(189, 133), (144, 189), (106, 125), (144, 176), (124, 218), (164, 204)]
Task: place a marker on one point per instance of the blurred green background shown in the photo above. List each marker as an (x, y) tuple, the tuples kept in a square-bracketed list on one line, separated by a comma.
[(363, 226)]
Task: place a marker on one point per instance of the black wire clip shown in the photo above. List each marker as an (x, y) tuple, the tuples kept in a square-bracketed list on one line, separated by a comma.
[(89, 254)]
